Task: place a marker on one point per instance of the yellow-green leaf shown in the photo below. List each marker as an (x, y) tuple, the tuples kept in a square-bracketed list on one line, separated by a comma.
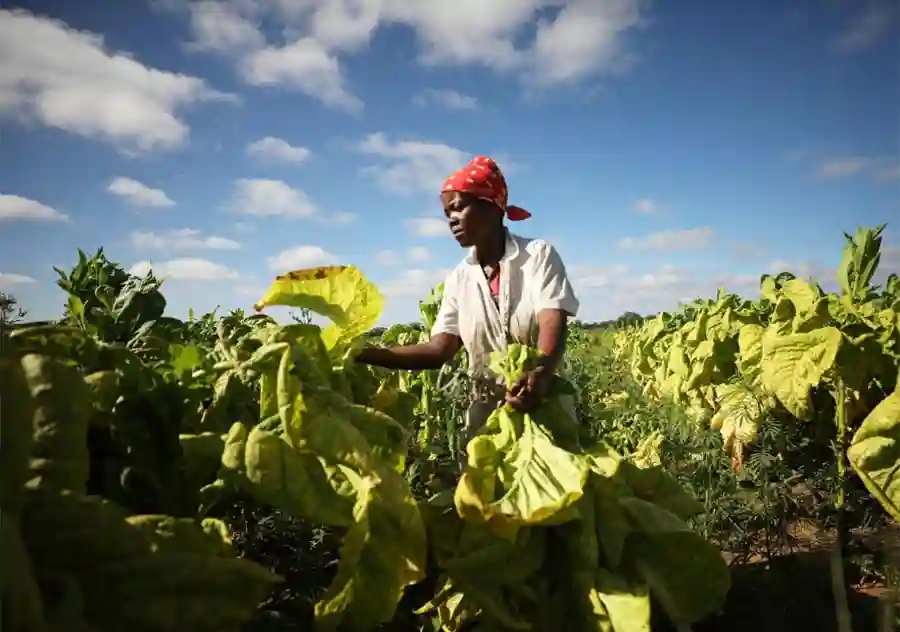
[(875, 453), (340, 293), (792, 364)]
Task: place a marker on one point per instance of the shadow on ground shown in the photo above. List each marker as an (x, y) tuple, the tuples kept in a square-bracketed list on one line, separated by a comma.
[(790, 593)]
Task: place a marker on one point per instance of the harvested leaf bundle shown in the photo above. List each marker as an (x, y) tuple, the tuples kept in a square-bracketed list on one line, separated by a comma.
[(547, 526)]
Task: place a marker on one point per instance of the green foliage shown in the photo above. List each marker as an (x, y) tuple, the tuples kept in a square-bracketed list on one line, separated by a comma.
[(10, 312), (167, 449)]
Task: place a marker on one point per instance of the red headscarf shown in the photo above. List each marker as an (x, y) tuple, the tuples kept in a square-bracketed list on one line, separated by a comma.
[(483, 179)]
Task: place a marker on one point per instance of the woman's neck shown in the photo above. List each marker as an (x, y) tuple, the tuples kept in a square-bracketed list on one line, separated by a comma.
[(491, 251)]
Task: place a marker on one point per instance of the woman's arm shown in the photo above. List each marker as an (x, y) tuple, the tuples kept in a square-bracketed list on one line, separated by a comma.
[(439, 350), (553, 327)]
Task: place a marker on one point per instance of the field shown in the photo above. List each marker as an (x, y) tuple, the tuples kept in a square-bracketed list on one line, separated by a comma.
[(730, 467)]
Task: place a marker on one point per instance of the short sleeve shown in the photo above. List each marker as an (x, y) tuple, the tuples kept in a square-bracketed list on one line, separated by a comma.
[(552, 287), (447, 321)]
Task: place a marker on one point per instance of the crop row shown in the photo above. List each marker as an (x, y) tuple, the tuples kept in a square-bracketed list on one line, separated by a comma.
[(127, 436)]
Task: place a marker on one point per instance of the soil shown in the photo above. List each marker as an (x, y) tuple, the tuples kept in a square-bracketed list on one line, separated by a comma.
[(792, 593)]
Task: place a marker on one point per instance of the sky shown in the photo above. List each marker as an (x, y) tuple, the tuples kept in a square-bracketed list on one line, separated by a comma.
[(664, 148)]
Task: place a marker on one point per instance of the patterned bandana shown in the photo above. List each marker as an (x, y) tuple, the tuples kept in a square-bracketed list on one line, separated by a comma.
[(483, 179)]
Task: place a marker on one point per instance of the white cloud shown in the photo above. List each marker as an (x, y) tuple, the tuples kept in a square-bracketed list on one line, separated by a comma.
[(427, 227), (449, 99), (582, 38), (181, 239), (186, 269), (795, 156), (300, 257), (264, 198), (219, 27), (67, 79), (18, 207), (586, 37), (884, 168), (416, 254), (278, 149), (419, 253), (866, 28), (387, 258), (746, 250), (836, 168), (343, 218), (411, 166), (890, 260), (10, 279), (689, 239), (609, 291), (305, 65), (645, 206), (888, 173), (139, 194), (413, 282), (804, 270), (596, 276)]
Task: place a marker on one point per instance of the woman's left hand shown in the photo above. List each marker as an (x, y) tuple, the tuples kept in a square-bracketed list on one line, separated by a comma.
[(529, 390)]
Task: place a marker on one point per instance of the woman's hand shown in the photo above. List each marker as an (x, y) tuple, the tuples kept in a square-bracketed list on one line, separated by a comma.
[(529, 390)]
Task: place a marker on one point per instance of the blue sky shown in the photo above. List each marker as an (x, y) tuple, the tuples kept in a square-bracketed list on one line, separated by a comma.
[(664, 148)]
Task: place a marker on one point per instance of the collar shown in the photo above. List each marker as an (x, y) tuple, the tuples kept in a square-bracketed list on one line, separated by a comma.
[(511, 250)]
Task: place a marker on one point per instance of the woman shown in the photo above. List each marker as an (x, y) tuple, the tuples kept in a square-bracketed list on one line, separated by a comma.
[(507, 289)]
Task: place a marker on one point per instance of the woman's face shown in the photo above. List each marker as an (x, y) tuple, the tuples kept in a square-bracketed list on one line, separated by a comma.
[(469, 218)]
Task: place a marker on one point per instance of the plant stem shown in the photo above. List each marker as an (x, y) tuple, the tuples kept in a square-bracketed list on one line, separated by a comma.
[(838, 581)]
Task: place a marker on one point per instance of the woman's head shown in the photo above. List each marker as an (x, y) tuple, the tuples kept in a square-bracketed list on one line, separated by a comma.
[(472, 220), (475, 201)]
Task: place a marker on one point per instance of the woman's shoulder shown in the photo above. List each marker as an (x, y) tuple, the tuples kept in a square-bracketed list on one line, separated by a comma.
[(535, 247)]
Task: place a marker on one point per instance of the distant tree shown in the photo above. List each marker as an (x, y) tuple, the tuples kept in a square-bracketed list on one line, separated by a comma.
[(304, 317), (10, 312), (628, 319)]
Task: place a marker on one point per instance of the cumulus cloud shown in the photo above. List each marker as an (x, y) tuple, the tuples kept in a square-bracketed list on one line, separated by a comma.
[(577, 39), (890, 261), (387, 257), (667, 241), (419, 253), (842, 167), (139, 194), (68, 79), (607, 292), (10, 280), (305, 65), (889, 173), (645, 206), (867, 27), (586, 37), (744, 250), (413, 282), (220, 27), (416, 254), (15, 207), (836, 167), (301, 257), (448, 99), (427, 227), (272, 148), (186, 269), (181, 239), (821, 274), (342, 218), (264, 198), (411, 166), (596, 276)]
